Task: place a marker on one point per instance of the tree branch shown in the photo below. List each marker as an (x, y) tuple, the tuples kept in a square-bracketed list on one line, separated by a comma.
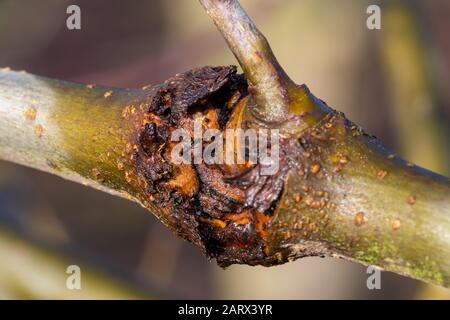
[(337, 191), (267, 80), (79, 132), (276, 97)]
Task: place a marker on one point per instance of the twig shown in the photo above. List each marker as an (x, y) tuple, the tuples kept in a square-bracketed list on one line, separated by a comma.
[(269, 83)]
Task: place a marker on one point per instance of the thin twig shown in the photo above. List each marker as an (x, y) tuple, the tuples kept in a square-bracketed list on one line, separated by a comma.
[(268, 82)]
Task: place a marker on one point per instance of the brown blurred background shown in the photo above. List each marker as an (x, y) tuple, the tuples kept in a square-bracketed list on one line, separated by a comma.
[(394, 82)]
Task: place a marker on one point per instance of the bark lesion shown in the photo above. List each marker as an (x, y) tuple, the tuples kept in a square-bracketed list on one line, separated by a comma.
[(223, 209)]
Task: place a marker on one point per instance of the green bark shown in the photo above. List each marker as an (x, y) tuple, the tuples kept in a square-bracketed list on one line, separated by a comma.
[(367, 205)]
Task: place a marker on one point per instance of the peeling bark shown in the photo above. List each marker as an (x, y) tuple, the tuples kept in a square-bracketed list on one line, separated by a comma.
[(207, 205)]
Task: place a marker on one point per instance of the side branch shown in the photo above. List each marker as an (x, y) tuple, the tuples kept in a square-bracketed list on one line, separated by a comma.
[(268, 82)]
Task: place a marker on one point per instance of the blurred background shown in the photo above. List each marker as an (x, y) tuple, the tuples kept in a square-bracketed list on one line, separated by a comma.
[(394, 82)]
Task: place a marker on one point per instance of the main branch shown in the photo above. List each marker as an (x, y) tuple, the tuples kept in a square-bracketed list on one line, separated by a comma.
[(337, 192)]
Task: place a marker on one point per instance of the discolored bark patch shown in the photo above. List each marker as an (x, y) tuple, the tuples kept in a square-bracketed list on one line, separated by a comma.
[(223, 209)]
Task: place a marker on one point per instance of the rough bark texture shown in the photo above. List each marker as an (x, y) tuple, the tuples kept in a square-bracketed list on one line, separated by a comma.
[(225, 210), (334, 177)]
